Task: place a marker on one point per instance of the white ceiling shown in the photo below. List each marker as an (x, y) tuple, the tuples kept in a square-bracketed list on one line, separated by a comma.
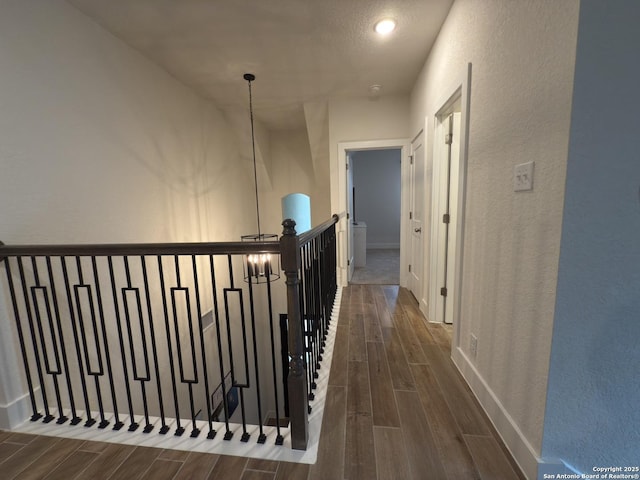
[(299, 50)]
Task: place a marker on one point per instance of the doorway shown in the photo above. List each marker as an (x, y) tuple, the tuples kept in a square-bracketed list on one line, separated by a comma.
[(446, 209), (375, 204), (450, 137), (346, 244)]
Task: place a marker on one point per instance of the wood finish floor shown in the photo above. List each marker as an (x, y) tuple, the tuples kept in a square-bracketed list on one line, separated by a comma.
[(396, 408)]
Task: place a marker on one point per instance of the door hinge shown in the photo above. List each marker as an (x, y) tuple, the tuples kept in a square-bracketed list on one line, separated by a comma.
[(348, 262), (448, 138), (446, 218), (409, 268), (346, 165), (348, 216), (410, 215), (443, 291), (411, 159)]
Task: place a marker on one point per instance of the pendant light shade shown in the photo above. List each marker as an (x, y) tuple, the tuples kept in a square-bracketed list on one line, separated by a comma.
[(259, 268)]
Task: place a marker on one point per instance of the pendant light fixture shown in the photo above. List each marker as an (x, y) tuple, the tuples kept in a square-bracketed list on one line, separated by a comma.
[(259, 267)]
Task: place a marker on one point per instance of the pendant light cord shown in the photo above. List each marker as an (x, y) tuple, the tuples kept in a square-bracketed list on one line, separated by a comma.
[(249, 77)]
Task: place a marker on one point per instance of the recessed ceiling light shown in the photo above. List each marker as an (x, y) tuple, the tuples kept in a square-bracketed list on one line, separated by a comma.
[(386, 26)]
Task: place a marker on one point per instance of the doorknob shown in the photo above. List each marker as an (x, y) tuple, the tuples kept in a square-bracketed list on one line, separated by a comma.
[(417, 230)]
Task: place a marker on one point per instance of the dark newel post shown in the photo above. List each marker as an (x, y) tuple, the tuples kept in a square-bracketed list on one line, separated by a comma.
[(297, 380)]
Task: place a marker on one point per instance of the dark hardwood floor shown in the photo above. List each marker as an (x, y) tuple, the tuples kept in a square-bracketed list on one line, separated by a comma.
[(396, 408)]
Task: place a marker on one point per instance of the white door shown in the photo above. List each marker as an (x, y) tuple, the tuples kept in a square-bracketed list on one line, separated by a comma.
[(417, 220), (448, 211)]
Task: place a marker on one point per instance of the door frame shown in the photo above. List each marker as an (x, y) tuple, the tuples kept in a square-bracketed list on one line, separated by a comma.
[(344, 227), (419, 292), (457, 91)]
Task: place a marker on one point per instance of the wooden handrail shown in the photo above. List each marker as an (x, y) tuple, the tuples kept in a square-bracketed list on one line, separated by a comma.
[(187, 248), (305, 237), (217, 248)]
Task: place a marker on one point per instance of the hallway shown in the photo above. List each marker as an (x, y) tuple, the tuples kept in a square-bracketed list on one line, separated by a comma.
[(382, 268), (396, 409)]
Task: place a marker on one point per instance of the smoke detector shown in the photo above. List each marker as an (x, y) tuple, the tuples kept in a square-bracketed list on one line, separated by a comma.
[(374, 90)]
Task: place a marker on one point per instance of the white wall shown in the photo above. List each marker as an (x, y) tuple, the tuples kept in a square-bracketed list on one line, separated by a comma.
[(592, 414), (522, 56), (99, 145), (293, 172), (360, 120), (377, 180)]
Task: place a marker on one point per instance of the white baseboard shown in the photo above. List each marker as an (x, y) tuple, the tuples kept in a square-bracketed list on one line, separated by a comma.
[(15, 413), (521, 450), (380, 246)]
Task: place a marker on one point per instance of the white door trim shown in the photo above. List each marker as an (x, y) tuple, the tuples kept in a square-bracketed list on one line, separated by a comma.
[(343, 147), (458, 91), (417, 259)]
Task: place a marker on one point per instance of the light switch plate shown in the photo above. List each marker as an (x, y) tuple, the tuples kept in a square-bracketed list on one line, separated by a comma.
[(523, 177)]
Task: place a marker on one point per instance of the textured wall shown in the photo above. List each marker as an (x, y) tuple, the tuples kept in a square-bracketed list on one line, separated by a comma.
[(361, 120), (293, 172), (523, 55), (592, 414), (99, 145)]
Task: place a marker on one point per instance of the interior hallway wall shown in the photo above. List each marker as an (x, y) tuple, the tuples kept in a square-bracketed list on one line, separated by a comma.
[(359, 120), (592, 416), (523, 56), (355, 120)]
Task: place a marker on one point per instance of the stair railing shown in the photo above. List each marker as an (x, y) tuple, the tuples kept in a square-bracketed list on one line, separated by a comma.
[(169, 335)]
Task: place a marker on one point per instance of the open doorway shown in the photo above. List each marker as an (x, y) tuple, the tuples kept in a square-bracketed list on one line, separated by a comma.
[(344, 196), (375, 178), (450, 131)]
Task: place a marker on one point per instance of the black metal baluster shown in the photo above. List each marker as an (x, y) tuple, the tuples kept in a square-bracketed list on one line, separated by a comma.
[(45, 354), (114, 291), (169, 348), (324, 287), (85, 346), (317, 295), (307, 323), (279, 437), (43, 390), (195, 432), (54, 295), (25, 360), (234, 382), (212, 432), (241, 387), (261, 436), (134, 363), (72, 318), (228, 433), (154, 349), (313, 306), (229, 342), (104, 423)]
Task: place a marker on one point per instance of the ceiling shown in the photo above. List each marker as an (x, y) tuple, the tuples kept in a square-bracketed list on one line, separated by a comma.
[(300, 50)]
